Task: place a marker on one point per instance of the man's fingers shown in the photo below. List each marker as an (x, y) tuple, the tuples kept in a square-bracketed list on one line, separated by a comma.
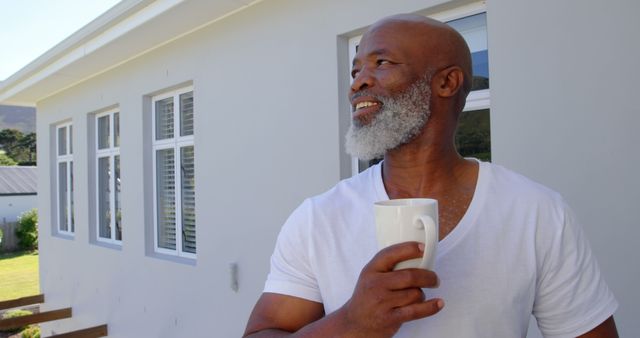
[(387, 258), (412, 278), (408, 296), (418, 310)]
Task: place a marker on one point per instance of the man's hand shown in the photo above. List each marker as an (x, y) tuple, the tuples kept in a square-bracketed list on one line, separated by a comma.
[(384, 299)]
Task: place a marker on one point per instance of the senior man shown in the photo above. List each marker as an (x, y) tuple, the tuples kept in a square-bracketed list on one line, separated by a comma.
[(509, 247)]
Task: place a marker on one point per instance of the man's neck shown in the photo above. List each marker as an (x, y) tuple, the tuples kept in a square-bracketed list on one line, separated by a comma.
[(410, 173)]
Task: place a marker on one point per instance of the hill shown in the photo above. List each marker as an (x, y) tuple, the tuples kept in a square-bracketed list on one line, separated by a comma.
[(15, 117)]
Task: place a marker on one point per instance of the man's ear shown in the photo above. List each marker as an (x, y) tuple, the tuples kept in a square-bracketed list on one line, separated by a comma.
[(449, 81)]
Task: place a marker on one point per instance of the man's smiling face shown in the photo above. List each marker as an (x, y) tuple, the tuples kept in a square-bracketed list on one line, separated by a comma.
[(386, 64), (389, 94)]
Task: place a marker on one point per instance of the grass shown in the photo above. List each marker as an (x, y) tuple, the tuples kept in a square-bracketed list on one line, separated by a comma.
[(19, 275)]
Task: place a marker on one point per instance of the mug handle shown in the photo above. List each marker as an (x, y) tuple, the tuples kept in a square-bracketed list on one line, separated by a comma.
[(430, 241)]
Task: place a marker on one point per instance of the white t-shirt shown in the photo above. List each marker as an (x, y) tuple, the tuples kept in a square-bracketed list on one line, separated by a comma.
[(518, 250)]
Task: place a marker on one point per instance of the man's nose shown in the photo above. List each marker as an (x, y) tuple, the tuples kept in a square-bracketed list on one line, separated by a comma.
[(362, 80)]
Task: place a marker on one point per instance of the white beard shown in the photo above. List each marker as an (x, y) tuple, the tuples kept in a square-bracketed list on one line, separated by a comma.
[(399, 120)]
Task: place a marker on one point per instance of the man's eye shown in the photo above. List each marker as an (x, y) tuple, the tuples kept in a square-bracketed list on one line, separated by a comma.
[(355, 73), (383, 62)]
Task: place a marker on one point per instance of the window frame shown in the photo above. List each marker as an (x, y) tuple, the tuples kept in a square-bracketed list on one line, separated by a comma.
[(110, 152), (177, 142), (476, 100), (66, 158)]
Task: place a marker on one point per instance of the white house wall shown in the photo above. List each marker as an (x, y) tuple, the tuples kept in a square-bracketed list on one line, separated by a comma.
[(11, 206), (564, 111), (269, 87)]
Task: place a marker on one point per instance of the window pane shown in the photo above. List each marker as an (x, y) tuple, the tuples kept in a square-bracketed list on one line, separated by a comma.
[(116, 129), (473, 137), (70, 139), (186, 114), (104, 207), (73, 221), (474, 30), (188, 200), (103, 132), (116, 160), (62, 197), (164, 118), (165, 196), (62, 141)]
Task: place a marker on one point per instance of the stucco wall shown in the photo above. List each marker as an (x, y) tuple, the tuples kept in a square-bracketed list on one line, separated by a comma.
[(11, 206), (563, 80), (269, 86)]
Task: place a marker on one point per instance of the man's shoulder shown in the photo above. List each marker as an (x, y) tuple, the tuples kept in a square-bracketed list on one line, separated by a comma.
[(342, 201), (523, 200), (505, 181), (350, 190)]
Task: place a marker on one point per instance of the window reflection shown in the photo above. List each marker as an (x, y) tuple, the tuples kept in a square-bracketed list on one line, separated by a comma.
[(473, 137), (474, 30)]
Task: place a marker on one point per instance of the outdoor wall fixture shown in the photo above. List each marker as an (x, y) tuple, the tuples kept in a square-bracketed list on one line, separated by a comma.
[(233, 273)]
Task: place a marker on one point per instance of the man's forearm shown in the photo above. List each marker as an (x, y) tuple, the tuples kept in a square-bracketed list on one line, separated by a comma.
[(269, 333), (606, 329), (332, 325)]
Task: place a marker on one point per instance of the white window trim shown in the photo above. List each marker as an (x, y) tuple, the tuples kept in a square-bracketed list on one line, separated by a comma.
[(111, 152), (175, 143), (460, 12), (476, 100), (68, 159)]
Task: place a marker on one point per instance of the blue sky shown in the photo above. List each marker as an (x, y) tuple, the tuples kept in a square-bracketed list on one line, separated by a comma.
[(28, 28)]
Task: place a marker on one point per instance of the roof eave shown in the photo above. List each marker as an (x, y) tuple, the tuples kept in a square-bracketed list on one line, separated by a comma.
[(126, 31)]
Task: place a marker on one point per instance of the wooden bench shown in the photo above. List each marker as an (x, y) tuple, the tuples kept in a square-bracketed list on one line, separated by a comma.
[(31, 300), (92, 332), (46, 316)]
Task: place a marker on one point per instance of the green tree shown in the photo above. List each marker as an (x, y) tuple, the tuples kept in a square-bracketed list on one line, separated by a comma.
[(27, 149), (9, 139), (18, 146), (6, 160)]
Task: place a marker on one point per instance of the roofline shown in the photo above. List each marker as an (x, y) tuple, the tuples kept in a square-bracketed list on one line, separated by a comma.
[(100, 24), (18, 166), (106, 29), (20, 194)]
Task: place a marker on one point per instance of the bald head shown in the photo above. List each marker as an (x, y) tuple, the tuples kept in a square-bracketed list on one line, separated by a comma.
[(438, 45)]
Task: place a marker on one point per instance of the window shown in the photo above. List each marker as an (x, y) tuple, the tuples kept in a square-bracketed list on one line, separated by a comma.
[(474, 30), (108, 183), (174, 173), (473, 137), (64, 178)]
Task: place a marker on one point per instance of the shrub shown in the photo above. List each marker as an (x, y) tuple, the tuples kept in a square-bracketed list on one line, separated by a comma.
[(13, 314), (32, 331), (16, 313), (27, 230), (1, 234), (5, 160)]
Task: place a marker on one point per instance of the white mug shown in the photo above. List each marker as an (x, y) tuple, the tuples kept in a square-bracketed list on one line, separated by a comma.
[(409, 220)]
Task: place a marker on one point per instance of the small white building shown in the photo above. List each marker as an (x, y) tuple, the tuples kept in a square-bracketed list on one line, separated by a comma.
[(176, 136), (18, 191)]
